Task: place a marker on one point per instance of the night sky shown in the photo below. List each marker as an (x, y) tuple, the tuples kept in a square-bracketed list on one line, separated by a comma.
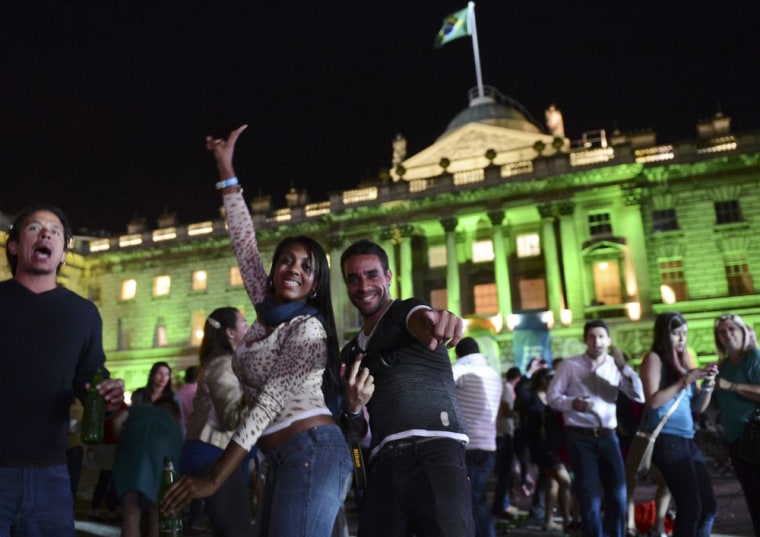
[(104, 110)]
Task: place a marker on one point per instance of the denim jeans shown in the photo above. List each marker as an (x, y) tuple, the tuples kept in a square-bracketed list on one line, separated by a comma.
[(36, 501), (598, 466), (479, 466), (306, 483), (688, 479), (505, 455), (418, 488)]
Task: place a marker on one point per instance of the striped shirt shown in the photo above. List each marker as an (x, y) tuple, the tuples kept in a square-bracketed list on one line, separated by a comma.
[(479, 391)]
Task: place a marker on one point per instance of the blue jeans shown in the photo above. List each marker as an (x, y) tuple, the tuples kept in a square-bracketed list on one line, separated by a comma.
[(505, 454), (479, 466), (598, 466), (36, 501), (418, 487), (688, 479), (229, 508), (306, 483)]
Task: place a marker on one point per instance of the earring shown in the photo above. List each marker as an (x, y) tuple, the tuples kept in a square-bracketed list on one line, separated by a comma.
[(270, 284), (313, 293)]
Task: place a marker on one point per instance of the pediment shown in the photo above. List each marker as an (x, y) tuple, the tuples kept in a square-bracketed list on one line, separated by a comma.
[(466, 147)]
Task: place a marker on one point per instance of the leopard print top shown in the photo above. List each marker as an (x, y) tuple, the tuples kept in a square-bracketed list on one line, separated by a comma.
[(280, 370)]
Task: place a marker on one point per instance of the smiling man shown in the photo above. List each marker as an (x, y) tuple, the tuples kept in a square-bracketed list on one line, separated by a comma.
[(51, 346), (417, 480)]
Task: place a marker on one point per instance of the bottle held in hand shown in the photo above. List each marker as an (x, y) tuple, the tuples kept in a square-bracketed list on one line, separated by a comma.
[(169, 525), (94, 412)]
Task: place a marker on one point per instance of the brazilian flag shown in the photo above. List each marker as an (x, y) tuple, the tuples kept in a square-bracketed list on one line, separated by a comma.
[(454, 26)]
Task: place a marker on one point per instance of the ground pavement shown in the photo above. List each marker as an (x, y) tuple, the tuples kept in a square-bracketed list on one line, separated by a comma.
[(732, 519)]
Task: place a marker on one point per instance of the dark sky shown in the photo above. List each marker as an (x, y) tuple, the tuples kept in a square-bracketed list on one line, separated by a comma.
[(103, 110)]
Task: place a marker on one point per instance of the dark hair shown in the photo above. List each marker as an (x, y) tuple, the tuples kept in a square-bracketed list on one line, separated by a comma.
[(594, 323), (169, 404), (191, 373), (466, 346), (364, 247), (541, 379), (513, 373), (13, 233), (167, 389), (664, 324), (215, 342), (323, 303)]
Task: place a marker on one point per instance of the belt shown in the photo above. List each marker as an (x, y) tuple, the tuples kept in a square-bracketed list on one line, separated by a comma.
[(596, 432), (276, 440)]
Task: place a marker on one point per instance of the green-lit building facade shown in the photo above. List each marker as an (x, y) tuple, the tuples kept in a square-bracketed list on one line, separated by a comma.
[(521, 231)]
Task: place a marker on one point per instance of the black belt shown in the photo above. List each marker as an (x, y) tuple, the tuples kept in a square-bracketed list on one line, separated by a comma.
[(596, 432)]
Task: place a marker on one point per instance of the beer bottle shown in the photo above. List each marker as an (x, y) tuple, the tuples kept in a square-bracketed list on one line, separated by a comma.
[(94, 412), (169, 525)]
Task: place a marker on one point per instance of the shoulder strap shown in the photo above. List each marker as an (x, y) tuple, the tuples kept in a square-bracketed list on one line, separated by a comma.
[(669, 413)]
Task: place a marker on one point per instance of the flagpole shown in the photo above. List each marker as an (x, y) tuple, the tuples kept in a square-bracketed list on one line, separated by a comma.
[(475, 50)]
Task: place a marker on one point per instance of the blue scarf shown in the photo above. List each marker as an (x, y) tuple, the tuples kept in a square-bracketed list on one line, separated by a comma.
[(271, 314)]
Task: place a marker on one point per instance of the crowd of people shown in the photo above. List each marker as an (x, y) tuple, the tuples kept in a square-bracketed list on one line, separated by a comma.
[(267, 409)]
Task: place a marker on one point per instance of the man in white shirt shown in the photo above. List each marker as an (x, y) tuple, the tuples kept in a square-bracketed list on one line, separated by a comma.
[(585, 390), (479, 391)]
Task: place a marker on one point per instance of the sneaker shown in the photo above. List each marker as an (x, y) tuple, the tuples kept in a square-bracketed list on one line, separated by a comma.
[(552, 526)]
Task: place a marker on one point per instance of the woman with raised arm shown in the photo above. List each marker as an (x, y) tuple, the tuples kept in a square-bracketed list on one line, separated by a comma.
[(286, 355), (738, 397), (670, 382)]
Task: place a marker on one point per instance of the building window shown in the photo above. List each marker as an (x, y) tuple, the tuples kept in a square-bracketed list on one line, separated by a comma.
[(197, 326), (486, 300), (162, 285), (727, 212), (664, 220), (599, 224), (672, 281), (439, 299), (482, 251), (128, 290), (200, 280), (93, 293), (607, 289), (528, 245), (235, 277), (161, 337), (532, 293), (738, 278), (437, 256)]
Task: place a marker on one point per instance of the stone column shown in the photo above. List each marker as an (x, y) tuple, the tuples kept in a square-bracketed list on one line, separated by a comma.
[(571, 259), (405, 262), (454, 302), (636, 279), (500, 266), (551, 259), (388, 239)]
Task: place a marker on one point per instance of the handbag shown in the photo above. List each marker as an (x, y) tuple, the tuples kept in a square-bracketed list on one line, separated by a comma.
[(749, 443), (639, 459)]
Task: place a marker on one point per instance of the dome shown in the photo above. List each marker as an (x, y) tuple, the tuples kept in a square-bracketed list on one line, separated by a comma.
[(493, 108)]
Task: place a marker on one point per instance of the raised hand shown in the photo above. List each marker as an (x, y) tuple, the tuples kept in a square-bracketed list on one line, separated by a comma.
[(224, 150), (434, 327)]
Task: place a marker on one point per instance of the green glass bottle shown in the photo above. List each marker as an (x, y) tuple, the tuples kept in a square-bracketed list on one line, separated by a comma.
[(94, 412), (168, 525)]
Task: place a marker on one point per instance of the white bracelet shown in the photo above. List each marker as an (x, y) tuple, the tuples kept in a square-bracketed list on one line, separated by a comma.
[(232, 181)]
